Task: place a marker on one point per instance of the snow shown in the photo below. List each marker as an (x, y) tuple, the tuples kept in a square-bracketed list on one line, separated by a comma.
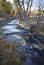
[(13, 31), (16, 21), (8, 27)]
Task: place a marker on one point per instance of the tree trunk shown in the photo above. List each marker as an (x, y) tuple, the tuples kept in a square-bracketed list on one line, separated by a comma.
[(27, 21)]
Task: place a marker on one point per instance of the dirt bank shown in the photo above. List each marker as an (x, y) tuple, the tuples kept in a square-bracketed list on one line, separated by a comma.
[(5, 18)]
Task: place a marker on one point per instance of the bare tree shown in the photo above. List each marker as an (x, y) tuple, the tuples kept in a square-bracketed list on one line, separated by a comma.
[(25, 6), (40, 9)]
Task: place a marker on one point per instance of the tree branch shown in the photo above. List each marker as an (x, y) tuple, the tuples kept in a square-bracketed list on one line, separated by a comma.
[(27, 6)]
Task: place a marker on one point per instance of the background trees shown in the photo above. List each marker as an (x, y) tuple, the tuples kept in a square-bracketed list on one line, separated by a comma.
[(25, 7), (22, 9), (6, 6), (40, 6)]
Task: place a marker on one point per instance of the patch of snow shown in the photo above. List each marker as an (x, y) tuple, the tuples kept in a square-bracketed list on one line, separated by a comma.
[(24, 26), (8, 27), (13, 31), (13, 37), (14, 22)]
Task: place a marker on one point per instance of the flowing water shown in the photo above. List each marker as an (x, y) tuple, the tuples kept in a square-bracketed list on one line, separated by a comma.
[(29, 45)]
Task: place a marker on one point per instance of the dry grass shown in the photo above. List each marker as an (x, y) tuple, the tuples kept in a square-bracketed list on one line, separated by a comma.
[(8, 54), (37, 28)]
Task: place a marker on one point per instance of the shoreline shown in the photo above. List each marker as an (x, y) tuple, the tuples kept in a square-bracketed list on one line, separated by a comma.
[(4, 19)]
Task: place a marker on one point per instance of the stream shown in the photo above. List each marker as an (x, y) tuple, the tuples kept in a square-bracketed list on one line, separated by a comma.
[(31, 46)]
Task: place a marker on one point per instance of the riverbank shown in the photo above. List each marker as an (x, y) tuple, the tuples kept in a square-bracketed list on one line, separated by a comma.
[(5, 18)]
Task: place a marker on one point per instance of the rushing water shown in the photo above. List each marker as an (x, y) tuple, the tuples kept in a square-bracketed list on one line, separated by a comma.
[(31, 44)]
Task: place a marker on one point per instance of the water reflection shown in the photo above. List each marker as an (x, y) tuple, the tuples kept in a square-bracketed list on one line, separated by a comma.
[(29, 45)]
